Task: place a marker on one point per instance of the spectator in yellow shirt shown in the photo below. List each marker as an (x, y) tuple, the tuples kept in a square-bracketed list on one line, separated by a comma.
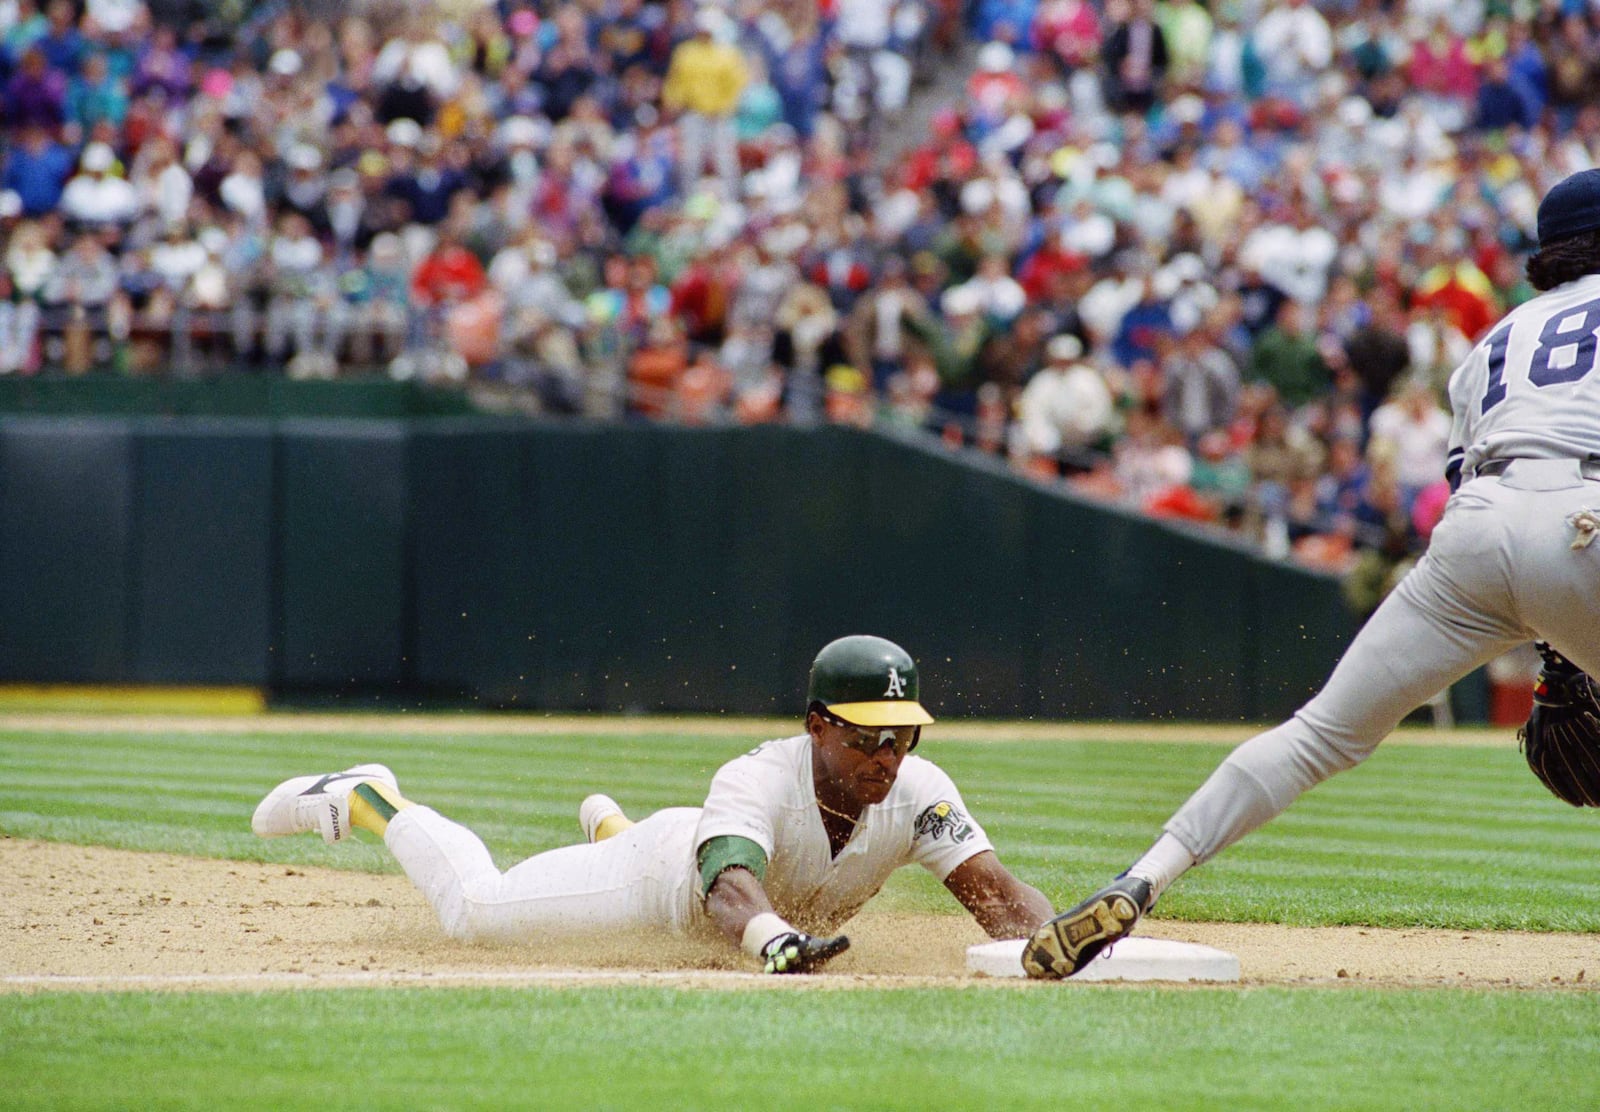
[(704, 80)]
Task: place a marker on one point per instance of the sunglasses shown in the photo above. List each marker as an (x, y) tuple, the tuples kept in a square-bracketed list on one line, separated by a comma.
[(869, 739)]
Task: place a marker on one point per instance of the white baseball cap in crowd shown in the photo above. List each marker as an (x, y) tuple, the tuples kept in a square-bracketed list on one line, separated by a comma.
[(786, 239), (1187, 266), (387, 247), (1065, 348), (1354, 112), (996, 57), (98, 158), (1187, 109), (404, 133), (303, 156), (959, 301), (519, 131), (113, 16), (214, 240), (284, 63)]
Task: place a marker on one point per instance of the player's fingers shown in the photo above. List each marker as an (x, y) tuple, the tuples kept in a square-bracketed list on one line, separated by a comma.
[(785, 959)]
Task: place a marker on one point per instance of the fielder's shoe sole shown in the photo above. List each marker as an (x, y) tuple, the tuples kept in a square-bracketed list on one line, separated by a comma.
[(593, 811), (1076, 937), (320, 803)]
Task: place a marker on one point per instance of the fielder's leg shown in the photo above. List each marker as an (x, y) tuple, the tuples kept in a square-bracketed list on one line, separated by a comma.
[(1411, 648), (1449, 616), (1501, 571)]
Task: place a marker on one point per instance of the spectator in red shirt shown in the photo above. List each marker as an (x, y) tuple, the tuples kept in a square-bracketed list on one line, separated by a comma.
[(1038, 273), (1068, 31), (448, 274), (947, 157), (701, 295), (1440, 65), (995, 84)]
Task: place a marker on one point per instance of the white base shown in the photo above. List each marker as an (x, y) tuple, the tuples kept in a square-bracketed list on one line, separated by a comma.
[(1132, 959)]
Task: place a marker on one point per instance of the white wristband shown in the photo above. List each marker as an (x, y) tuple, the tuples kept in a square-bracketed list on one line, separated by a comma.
[(761, 930)]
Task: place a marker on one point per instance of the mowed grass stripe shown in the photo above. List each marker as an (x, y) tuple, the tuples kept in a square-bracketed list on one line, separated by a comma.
[(1049, 1047), (1446, 836), (651, 780), (341, 750), (491, 770)]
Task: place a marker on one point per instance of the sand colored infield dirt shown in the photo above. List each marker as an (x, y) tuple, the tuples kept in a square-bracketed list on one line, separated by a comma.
[(92, 918)]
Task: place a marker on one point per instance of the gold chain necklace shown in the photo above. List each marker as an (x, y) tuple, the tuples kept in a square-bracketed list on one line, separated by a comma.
[(856, 821)]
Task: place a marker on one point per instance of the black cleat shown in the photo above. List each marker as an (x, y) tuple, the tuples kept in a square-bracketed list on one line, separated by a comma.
[(1070, 941)]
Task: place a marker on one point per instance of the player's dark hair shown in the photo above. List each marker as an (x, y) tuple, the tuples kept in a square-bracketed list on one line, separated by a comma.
[(1564, 260)]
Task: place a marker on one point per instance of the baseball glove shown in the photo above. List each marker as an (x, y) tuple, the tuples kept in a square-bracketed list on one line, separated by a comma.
[(1561, 739), (797, 952)]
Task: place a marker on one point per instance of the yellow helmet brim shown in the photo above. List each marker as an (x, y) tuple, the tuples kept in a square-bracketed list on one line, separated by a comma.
[(888, 712)]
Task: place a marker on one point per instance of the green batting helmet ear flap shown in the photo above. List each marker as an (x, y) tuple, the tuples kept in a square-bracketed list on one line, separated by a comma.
[(867, 681)]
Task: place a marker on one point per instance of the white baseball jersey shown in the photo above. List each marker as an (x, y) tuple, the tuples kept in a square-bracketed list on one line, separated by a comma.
[(768, 796), (647, 877), (1513, 559), (1528, 390)]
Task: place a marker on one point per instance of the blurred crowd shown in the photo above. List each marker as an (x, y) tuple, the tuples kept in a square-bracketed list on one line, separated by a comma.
[(1215, 261)]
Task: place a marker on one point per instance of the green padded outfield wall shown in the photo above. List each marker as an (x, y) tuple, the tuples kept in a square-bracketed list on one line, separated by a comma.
[(66, 534), (201, 586), (341, 606), (636, 568)]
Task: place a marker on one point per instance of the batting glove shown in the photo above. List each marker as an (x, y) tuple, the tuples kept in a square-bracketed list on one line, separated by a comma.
[(797, 952)]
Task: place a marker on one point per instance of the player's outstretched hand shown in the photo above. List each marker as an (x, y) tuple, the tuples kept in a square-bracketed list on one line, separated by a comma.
[(797, 952)]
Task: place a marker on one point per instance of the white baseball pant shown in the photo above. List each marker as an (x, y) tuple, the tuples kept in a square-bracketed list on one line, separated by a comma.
[(642, 878)]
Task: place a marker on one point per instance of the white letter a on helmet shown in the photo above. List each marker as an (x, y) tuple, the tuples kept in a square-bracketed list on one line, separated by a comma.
[(897, 686)]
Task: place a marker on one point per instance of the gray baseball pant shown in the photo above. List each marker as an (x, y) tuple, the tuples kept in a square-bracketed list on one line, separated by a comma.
[(1508, 563)]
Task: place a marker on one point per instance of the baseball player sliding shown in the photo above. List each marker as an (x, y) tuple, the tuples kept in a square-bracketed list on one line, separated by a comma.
[(1511, 561), (794, 837)]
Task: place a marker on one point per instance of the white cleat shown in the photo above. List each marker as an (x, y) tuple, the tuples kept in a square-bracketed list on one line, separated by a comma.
[(593, 811), (320, 803)]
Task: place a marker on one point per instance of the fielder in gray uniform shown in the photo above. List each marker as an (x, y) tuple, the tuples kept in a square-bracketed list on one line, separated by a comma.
[(1511, 561), (794, 837)]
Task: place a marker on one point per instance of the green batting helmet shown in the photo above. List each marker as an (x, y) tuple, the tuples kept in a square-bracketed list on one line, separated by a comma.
[(867, 681)]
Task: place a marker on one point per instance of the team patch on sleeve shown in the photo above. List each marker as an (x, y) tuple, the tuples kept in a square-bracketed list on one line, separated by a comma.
[(943, 818)]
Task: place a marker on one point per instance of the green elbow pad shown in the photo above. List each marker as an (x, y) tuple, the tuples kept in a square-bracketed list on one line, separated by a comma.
[(729, 851)]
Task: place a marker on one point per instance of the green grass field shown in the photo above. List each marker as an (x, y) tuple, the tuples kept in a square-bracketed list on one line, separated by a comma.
[(1440, 836)]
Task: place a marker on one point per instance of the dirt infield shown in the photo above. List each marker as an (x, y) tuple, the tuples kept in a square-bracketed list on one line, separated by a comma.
[(81, 917)]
